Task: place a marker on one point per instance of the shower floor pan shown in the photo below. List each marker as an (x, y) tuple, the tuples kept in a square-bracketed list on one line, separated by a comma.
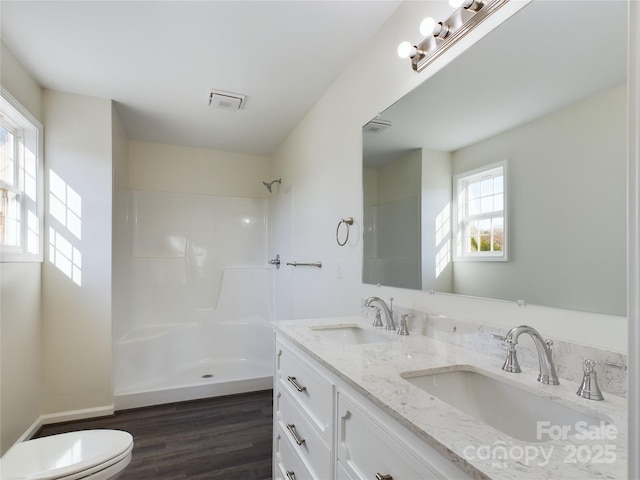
[(203, 379)]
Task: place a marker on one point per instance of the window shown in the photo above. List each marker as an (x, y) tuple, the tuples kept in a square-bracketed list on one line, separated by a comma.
[(481, 221), (20, 183)]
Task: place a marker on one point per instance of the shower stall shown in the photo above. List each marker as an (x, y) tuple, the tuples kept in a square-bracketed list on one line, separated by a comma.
[(193, 297)]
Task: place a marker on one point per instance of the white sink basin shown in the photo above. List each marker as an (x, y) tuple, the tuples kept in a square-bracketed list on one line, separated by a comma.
[(351, 334), (511, 410)]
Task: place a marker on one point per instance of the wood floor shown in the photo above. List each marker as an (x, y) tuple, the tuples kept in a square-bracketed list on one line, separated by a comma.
[(225, 437)]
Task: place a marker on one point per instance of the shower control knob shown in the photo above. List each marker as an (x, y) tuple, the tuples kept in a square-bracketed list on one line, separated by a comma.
[(275, 261)]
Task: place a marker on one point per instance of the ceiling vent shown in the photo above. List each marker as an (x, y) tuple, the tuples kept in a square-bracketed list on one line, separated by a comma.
[(226, 100), (376, 125)]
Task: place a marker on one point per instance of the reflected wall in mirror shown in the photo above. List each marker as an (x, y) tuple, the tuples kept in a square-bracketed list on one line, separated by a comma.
[(554, 108)]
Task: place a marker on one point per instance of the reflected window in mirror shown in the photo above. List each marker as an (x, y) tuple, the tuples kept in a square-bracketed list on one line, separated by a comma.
[(480, 221)]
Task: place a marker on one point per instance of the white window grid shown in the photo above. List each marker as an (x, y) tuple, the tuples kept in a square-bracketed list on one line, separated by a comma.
[(480, 223), (20, 189)]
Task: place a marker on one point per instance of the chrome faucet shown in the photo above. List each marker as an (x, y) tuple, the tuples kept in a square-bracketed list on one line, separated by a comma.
[(547, 374), (388, 311)]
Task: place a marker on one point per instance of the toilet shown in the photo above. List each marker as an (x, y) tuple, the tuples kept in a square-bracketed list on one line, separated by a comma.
[(86, 454)]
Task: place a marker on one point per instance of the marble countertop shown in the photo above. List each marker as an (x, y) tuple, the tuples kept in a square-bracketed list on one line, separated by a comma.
[(375, 369)]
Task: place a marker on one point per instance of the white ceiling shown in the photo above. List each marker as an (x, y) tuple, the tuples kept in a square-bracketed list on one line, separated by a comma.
[(158, 60)]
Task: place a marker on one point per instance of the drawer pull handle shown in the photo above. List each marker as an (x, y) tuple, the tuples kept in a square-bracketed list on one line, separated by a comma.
[(380, 476), (292, 429), (291, 475), (296, 384)]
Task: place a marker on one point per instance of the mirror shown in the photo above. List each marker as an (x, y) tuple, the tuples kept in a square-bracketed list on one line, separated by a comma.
[(545, 93)]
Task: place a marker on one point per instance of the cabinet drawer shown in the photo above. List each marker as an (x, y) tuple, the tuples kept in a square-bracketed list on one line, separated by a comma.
[(365, 450), (288, 464), (297, 428), (310, 390)]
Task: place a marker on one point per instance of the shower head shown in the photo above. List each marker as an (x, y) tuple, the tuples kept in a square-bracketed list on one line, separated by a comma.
[(269, 184)]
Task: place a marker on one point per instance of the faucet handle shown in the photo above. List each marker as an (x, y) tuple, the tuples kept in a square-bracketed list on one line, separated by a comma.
[(590, 364), (589, 388), (511, 362), (404, 329), (378, 320)]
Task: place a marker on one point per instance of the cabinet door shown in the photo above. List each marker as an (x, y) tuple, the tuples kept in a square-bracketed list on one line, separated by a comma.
[(367, 452), (311, 391), (341, 473), (303, 438)]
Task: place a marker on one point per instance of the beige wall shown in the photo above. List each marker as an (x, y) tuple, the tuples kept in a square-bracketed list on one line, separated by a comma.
[(19, 82), (122, 225), (171, 168), (20, 325), (77, 317), (21, 361)]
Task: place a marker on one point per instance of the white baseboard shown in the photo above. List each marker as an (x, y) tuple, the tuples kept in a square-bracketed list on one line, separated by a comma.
[(65, 417), (31, 431), (78, 414)]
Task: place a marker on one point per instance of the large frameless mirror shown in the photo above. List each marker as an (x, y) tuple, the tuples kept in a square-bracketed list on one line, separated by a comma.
[(544, 97)]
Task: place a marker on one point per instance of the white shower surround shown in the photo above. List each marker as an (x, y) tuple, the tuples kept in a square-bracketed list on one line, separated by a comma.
[(199, 300)]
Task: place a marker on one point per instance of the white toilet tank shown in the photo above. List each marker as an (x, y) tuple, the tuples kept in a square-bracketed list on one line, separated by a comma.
[(75, 455)]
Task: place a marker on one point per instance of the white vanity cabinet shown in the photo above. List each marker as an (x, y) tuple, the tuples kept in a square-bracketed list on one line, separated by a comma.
[(324, 429), (303, 418), (310, 389)]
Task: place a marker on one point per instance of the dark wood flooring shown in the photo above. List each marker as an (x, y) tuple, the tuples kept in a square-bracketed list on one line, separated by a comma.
[(224, 437)]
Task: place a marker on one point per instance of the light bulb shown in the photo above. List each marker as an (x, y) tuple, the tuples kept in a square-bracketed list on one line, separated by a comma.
[(427, 26), (456, 3), (406, 50)]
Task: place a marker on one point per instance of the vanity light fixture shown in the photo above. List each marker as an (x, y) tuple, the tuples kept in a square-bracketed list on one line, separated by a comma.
[(440, 36), (473, 5)]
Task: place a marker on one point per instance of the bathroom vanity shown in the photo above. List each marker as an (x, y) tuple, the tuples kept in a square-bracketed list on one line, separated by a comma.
[(356, 402)]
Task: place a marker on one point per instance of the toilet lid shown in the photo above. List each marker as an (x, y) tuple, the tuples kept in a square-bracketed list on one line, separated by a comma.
[(63, 454)]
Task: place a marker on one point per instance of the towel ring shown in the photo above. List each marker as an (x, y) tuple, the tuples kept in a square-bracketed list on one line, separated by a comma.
[(347, 221)]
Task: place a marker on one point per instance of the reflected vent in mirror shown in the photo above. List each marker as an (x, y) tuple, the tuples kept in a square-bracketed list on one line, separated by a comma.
[(376, 125)]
